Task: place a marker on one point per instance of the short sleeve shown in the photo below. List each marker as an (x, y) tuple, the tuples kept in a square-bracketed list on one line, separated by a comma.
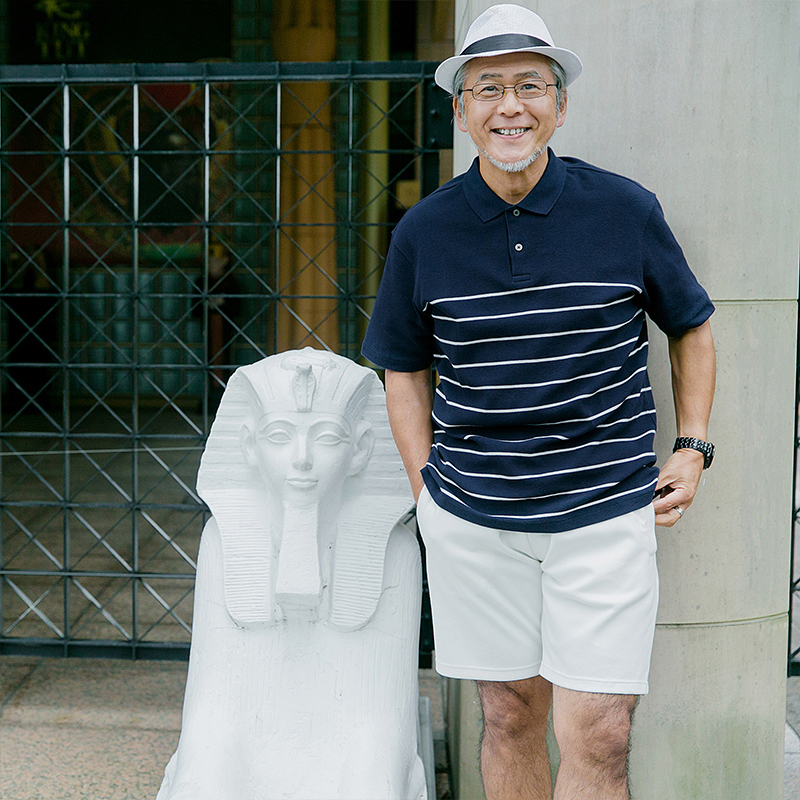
[(399, 335), (673, 297)]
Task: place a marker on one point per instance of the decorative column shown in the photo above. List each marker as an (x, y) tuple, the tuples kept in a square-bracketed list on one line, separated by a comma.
[(305, 30), (662, 100), (376, 172)]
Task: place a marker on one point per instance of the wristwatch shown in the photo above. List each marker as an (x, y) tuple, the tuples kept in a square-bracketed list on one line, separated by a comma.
[(690, 443)]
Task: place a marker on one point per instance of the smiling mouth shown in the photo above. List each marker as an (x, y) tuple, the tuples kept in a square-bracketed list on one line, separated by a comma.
[(509, 131)]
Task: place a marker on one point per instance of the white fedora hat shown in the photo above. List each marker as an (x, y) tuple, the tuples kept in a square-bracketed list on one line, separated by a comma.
[(505, 29)]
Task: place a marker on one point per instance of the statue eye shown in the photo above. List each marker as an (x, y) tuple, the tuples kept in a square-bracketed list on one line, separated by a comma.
[(329, 438), (278, 436)]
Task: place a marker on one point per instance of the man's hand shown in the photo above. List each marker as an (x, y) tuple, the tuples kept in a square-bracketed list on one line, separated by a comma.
[(677, 486), (693, 376)]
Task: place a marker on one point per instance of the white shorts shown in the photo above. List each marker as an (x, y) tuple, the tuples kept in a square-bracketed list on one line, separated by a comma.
[(578, 608)]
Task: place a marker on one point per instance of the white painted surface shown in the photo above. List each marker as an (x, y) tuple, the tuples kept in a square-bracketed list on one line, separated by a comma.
[(303, 677)]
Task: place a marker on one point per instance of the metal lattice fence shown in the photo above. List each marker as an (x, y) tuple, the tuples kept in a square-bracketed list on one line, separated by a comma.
[(159, 226)]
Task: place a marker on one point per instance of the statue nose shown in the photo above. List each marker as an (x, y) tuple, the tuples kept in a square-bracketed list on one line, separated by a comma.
[(302, 454)]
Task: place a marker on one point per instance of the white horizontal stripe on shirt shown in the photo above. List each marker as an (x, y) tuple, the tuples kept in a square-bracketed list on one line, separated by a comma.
[(649, 455), (531, 311), (528, 289), (521, 409), (646, 412), (584, 490), (492, 453), (545, 360), (548, 335), (633, 395), (528, 385)]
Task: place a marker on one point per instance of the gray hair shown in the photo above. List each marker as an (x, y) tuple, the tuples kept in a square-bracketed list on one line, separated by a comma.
[(559, 77)]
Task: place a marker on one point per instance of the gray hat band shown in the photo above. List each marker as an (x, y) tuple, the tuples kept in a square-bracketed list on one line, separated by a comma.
[(503, 41)]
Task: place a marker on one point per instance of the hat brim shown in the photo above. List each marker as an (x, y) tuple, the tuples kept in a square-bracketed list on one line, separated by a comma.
[(571, 64)]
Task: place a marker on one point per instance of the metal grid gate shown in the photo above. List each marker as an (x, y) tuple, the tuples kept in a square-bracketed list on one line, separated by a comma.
[(159, 226)]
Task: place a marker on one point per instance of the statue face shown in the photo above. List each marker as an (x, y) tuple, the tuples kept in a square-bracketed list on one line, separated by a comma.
[(304, 457)]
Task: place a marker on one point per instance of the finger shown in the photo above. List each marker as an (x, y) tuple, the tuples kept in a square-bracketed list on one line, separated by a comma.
[(680, 497), (664, 505), (669, 517)]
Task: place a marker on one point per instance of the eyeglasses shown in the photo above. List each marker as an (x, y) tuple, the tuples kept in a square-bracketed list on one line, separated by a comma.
[(527, 90)]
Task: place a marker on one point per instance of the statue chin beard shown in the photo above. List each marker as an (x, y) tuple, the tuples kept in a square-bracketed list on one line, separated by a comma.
[(302, 559)]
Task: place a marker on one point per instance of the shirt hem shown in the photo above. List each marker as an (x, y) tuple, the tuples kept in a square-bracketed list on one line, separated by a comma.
[(570, 522)]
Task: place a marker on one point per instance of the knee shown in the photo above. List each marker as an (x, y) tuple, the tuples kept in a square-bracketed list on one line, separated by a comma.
[(512, 713), (608, 742), (601, 739)]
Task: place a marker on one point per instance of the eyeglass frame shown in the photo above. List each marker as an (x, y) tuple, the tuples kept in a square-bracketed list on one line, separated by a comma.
[(503, 93)]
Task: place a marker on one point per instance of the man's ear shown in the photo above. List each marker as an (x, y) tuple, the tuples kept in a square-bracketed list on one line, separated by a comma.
[(364, 442), (561, 113), (460, 120), (247, 441)]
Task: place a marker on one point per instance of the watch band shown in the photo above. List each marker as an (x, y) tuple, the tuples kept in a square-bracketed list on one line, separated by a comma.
[(692, 443)]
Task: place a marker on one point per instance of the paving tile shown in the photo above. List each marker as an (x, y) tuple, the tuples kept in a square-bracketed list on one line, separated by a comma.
[(791, 777), (792, 740), (66, 763), (13, 673), (100, 693)]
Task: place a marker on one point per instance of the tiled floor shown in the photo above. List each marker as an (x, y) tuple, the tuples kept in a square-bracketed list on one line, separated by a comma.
[(97, 730), (791, 775), (791, 771), (73, 729), (104, 730)]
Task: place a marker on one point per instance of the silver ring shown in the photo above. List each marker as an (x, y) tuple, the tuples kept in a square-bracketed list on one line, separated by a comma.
[(679, 510)]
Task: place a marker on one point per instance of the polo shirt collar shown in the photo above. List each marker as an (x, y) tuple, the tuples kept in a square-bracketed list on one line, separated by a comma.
[(540, 200)]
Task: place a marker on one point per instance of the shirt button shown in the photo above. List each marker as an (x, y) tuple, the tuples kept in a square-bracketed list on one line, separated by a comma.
[(518, 247), (515, 212)]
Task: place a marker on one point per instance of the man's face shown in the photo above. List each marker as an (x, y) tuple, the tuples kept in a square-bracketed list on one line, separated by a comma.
[(509, 132)]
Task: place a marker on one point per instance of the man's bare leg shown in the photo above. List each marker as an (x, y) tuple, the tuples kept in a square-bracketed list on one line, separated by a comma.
[(514, 761), (593, 735)]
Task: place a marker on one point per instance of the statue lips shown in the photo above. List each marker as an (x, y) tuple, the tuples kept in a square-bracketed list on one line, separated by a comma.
[(302, 483)]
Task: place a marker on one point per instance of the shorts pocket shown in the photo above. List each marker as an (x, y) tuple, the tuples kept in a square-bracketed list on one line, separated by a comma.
[(648, 520), (422, 503)]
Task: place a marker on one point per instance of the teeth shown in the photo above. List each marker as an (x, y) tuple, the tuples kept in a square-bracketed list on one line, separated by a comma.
[(510, 131)]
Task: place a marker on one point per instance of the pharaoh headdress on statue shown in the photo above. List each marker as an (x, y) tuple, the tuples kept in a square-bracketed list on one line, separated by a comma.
[(373, 500)]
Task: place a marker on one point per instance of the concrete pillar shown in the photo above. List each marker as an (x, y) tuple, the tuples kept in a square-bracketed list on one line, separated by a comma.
[(699, 100)]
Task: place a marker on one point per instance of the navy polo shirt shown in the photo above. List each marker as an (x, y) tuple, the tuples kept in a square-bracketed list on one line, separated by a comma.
[(534, 316)]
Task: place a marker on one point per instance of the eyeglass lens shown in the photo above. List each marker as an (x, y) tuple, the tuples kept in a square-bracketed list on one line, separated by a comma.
[(527, 90)]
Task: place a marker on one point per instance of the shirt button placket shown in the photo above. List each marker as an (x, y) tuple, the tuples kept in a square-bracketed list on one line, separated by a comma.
[(520, 270)]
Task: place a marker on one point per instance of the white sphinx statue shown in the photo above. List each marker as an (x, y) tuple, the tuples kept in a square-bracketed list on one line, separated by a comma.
[(303, 677)]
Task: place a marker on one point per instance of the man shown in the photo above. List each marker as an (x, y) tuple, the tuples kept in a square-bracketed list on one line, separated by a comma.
[(526, 282)]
